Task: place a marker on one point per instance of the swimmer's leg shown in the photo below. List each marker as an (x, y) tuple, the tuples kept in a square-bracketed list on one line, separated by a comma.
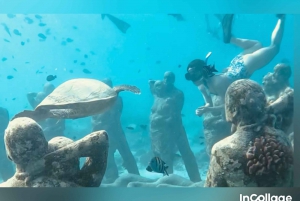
[(265, 55)]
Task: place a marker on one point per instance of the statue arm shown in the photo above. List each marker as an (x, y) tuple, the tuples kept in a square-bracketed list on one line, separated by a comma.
[(283, 101), (215, 177), (31, 99), (93, 146), (151, 84)]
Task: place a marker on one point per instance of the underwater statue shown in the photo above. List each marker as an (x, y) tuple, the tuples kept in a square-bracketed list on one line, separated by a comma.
[(27, 147), (6, 168), (215, 126), (280, 96), (111, 123), (167, 132), (52, 127), (256, 154)]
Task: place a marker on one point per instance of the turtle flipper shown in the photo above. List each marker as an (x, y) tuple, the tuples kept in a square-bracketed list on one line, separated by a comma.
[(130, 88), (37, 115)]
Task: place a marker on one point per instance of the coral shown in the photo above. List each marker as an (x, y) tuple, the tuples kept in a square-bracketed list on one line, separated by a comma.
[(267, 155)]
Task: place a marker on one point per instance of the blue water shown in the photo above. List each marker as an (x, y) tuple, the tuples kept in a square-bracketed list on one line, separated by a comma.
[(120, 56)]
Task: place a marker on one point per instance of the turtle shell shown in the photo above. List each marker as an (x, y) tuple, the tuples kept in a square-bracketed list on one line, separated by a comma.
[(77, 92)]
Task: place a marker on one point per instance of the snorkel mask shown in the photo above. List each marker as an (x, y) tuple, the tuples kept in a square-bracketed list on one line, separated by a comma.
[(200, 66)]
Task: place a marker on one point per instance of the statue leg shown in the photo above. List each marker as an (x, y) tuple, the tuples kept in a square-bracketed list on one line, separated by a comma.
[(125, 152), (111, 173), (188, 156)]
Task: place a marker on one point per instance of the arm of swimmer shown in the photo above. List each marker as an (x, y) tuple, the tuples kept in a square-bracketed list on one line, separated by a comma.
[(205, 95)]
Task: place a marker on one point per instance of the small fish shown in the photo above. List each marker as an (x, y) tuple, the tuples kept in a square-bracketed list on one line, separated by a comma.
[(63, 43), (22, 43), (131, 127), (15, 69), (201, 143), (36, 72), (69, 40), (158, 62), (47, 32), (178, 17), (28, 20), (77, 49), (71, 71), (17, 32), (6, 40), (86, 71), (4, 59), (148, 48), (41, 24), (27, 62), (5, 99), (143, 127), (14, 99), (179, 66), (201, 137), (92, 53), (28, 40), (11, 16), (9, 77), (51, 78), (38, 17), (6, 28), (42, 36), (75, 27), (157, 165), (86, 56), (139, 70), (74, 137), (82, 63), (75, 61), (42, 67), (12, 56)]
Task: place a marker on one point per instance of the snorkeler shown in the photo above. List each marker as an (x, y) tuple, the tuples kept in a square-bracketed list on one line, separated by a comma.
[(253, 57)]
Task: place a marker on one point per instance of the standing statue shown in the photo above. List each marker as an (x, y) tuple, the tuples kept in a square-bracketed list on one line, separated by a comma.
[(166, 129), (111, 123)]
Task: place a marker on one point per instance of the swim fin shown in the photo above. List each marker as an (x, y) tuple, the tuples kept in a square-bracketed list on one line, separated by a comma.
[(227, 25), (178, 17), (121, 25)]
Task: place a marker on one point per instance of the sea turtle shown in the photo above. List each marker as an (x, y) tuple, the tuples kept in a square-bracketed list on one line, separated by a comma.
[(77, 98)]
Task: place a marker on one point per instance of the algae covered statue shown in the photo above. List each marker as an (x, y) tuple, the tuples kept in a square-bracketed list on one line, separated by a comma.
[(27, 147), (166, 129), (6, 168), (256, 154), (111, 123), (280, 96)]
